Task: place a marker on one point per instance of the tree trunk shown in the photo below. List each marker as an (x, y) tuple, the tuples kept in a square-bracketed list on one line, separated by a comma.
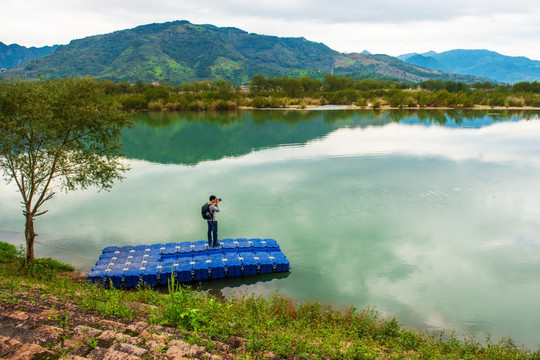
[(30, 236)]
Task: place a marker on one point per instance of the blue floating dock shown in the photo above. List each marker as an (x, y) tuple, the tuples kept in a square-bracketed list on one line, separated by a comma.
[(129, 266)]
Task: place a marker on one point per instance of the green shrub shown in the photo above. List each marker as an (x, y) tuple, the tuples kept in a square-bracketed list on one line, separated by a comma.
[(259, 102), (497, 99), (156, 105), (399, 98), (362, 102), (513, 101), (130, 102), (54, 264), (43, 268), (8, 252), (222, 105), (172, 106), (196, 105), (532, 100)]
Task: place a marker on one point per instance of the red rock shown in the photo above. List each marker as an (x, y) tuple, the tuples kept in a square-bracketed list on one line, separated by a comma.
[(45, 334), (74, 341), (129, 349), (154, 346), (138, 327), (270, 355), (212, 357), (86, 331), (178, 348), (107, 338), (8, 345), (19, 315), (45, 314), (163, 330), (108, 335), (196, 351), (27, 351), (108, 354), (73, 357), (111, 325)]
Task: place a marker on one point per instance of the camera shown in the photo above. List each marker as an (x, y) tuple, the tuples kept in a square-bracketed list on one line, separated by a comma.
[(219, 199)]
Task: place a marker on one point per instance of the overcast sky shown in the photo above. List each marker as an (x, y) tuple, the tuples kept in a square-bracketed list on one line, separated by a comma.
[(391, 27)]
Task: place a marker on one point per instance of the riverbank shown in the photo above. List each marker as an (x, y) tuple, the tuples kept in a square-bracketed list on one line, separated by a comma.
[(72, 319), (388, 107)]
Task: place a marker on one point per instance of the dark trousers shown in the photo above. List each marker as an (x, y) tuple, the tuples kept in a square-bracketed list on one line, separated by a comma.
[(212, 229)]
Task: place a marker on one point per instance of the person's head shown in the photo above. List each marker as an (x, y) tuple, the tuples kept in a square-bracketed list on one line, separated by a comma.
[(213, 198)]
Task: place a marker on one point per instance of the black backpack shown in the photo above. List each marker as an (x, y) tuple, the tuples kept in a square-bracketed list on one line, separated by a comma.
[(205, 212)]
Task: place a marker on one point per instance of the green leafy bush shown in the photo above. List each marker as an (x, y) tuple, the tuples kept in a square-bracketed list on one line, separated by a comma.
[(8, 252)]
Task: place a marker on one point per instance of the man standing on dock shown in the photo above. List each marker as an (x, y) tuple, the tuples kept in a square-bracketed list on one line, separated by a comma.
[(212, 222)]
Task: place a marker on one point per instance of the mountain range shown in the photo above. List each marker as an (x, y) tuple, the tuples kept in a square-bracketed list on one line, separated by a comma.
[(180, 51), (14, 55), (483, 63)]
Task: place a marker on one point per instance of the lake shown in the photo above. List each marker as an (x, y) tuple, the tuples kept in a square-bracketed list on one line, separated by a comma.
[(433, 217)]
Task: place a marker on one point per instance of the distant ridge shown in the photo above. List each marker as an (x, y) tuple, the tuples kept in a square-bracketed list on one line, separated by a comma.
[(427, 62), (483, 63), (179, 52), (14, 55)]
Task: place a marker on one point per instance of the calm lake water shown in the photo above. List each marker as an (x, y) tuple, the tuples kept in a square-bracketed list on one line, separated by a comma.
[(433, 217)]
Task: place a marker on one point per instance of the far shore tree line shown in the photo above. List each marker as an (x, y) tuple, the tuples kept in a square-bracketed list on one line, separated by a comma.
[(284, 92)]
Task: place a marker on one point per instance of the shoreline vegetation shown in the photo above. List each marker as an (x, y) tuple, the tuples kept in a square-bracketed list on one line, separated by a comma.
[(387, 107), (307, 93), (197, 324)]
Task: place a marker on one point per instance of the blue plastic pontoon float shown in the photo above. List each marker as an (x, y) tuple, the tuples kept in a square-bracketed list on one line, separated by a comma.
[(129, 266)]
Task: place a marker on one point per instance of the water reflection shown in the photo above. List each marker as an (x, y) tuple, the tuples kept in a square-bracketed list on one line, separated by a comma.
[(193, 137)]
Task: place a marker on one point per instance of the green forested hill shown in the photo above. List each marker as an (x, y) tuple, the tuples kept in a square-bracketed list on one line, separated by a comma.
[(180, 51)]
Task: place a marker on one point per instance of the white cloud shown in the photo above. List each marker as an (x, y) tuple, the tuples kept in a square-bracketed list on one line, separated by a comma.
[(505, 142), (380, 26)]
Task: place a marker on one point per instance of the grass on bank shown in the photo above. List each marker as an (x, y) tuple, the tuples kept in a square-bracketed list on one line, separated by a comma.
[(291, 331)]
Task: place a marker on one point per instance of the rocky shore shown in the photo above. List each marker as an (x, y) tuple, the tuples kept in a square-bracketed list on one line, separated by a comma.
[(36, 325)]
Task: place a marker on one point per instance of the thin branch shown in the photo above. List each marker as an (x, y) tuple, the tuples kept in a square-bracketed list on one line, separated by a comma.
[(14, 175), (41, 213), (42, 201), (52, 170)]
